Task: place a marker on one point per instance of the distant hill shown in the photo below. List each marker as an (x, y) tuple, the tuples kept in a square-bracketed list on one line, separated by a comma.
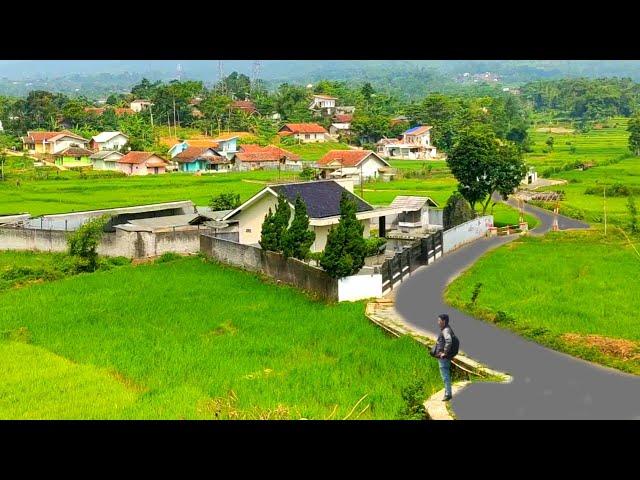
[(97, 78)]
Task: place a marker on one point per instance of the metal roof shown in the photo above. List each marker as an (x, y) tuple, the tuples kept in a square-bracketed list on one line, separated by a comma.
[(410, 203)]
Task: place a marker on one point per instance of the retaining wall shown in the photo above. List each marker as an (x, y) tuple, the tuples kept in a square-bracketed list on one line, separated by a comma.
[(466, 232)]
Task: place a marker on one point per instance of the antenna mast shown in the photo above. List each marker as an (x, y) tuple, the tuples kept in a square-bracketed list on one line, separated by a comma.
[(179, 72)]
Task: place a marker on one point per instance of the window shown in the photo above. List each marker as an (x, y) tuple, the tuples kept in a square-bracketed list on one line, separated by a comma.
[(307, 136), (247, 230)]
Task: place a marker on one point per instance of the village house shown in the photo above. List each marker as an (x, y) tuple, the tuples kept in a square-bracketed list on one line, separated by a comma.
[(322, 199), (227, 146), (356, 165), (73, 157), (139, 105), (52, 142), (142, 163), (246, 106), (201, 159), (324, 105), (253, 157), (341, 125), (105, 160), (530, 177), (99, 111), (108, 141), (197, 142), (415, 145), (304, 132), (418, 215)]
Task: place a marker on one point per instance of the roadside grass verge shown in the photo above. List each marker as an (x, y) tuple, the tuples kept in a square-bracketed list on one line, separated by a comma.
[(191, 339), (571, 291)]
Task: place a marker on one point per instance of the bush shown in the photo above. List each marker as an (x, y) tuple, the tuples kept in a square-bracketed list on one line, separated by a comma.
[(374, 245), (225, 201), (456, 211), (168, 257), (83, 244), (414, 396), (307, 173)]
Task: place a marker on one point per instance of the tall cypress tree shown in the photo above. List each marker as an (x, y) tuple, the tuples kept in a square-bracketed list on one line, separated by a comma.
[(298, 238), (275, 226), (268, 238), (346, 248)]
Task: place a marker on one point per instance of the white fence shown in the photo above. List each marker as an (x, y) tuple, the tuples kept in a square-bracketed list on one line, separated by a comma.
[(466, 232), (357, 287)]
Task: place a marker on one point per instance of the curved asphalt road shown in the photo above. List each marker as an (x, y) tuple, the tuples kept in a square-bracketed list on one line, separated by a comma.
[(546, 384)]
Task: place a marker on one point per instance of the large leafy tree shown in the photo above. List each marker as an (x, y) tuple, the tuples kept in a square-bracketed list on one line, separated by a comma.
[(346, 249), (484, 165), (83, 243), (634, 135), (298, 238)]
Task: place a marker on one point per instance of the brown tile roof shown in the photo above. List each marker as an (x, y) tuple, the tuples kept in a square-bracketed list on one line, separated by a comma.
[(74, 152), (100, 110), (257, 153), (346, 158), (343, 118), (47, 136), (304, 128), (245, 105), (190, 154), (140, 157)]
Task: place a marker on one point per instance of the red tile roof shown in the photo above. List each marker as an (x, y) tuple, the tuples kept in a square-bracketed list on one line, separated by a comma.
[(347, 158), (245, 105), (303, 128), (140, 157), (257, 153), (343, 118)]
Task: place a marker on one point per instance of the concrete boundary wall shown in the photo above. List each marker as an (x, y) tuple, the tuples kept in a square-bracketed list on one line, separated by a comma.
[(124, 243), (466, 232), (287, 270)]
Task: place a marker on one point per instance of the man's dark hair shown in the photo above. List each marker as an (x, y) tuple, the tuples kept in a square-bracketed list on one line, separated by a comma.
[(445, 318)]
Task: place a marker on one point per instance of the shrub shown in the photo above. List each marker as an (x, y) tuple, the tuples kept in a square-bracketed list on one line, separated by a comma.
[(414, 396), (475, 293), (225, 201), (168, 257), (307, 173), (374, 245), (502, 317), (83, 244), (456, 211), (633, 215)]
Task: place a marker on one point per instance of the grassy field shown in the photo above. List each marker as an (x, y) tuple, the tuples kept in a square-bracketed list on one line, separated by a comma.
[(314, 151), (72, 193), (607, 147), (568, 290), (598, 145), (176, 340)]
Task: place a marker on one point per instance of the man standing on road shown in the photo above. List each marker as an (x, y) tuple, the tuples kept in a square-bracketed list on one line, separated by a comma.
[(444, 350)]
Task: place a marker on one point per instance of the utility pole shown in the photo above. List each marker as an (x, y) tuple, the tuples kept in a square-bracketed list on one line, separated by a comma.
[(174, 115)]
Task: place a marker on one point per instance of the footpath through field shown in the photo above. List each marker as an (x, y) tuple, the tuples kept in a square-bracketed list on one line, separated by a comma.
[(546, 384)]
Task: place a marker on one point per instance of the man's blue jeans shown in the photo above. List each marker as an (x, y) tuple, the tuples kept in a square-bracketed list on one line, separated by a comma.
[(445, 372)]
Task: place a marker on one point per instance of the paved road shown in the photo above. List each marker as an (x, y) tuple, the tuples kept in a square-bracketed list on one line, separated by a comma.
[(546, 384)]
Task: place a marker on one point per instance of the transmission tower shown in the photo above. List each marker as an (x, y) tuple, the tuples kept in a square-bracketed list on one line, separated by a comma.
[(221, 84), (179, 71), (255, 74)]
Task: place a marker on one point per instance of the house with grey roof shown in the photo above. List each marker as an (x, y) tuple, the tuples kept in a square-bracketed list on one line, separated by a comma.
[(105, 160), (322, 199)]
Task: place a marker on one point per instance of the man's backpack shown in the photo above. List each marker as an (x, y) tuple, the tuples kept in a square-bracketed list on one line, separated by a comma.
[(455, 345)]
